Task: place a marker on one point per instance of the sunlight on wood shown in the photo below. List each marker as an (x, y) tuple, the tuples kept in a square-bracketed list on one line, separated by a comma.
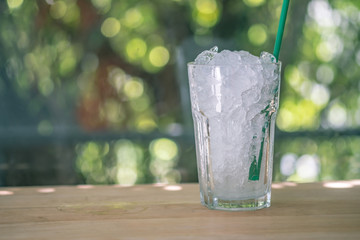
[(46, 190), (6, 193), (173, 188), (338, 185), (277, 185), (283, 184), (289, 184), (355, 182), (84, 186)]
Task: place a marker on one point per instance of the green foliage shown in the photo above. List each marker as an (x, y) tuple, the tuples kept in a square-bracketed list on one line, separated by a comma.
[(110, 67)]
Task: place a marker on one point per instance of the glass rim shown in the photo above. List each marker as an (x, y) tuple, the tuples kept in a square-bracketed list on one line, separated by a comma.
[(278, 64)]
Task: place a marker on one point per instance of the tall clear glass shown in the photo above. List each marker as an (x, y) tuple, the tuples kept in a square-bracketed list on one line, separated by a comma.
[(234, 134)]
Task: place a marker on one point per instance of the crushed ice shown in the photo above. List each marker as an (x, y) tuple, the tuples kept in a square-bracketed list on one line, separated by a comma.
[(234, 103)]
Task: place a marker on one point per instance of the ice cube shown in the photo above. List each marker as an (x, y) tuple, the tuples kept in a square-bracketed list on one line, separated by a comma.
[(225, 58), (206, 56), (266, 57), (248, 58)]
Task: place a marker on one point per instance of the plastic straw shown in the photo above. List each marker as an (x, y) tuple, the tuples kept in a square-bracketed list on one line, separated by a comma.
[(281, 27), (255, 167)]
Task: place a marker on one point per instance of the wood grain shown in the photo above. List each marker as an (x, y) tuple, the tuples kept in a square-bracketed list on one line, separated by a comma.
[(298, 211)]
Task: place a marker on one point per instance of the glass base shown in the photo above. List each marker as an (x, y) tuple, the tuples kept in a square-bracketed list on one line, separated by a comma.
[(238, 205)]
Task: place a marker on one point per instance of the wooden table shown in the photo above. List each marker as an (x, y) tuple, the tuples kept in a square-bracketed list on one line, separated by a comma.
[(298, 211)]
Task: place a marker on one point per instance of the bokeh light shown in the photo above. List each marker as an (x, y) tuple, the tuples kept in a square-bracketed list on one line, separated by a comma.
[(323, 14), (140, 104), (45, 86), (117, 78), (58, 9), (113, 112), (257, 34), (133, 18), (325, 74), (164, 154), (294, 116), (320, 94), (206, 6), (254, 3), (136, 49), (89, 161), (72, 15), (14, 3), (164, 149), (145, 123), (110, 27), (324, 52), (128, 158), (288, 164), (134, 88), (307, 168), (337, 115), (68, 62), (206, 13), (103, 6), (159, 56)]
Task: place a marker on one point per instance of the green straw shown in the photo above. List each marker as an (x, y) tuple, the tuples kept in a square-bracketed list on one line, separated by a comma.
[(281, 27), (254, 171)]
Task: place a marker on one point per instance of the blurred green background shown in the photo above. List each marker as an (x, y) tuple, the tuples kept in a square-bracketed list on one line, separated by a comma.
[(96, 91)]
